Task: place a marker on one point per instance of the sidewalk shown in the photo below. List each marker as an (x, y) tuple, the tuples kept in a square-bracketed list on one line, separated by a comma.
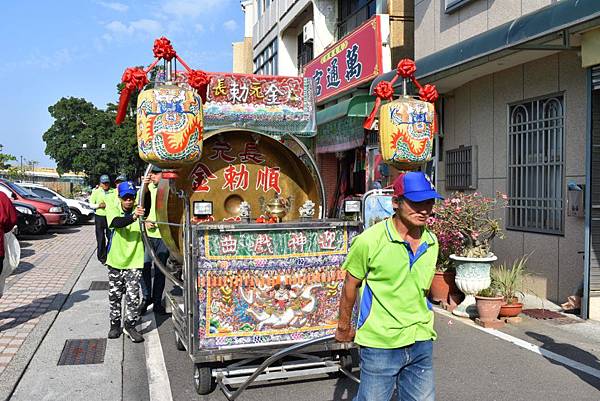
[(119, 372), (50, 265)]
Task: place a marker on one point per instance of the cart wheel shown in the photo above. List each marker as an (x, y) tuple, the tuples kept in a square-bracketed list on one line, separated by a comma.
[(178, 343), (203, 380)]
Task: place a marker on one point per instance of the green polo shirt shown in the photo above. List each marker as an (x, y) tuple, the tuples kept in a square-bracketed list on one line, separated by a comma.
[(99, 195), (153, 232), (394, 311), (126, 248)]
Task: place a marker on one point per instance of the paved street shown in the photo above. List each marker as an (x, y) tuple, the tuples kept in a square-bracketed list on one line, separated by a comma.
[(471, 364)]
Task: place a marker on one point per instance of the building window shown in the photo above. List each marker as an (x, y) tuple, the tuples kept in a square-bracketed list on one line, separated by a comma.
[(305, 53), (266, 62), (460, 168), (352, 13), (452, 5), (536, 166)]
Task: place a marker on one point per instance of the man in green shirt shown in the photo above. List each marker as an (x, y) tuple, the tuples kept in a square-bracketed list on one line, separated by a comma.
[(153, 289), (101, 199), (125, 262), (393, 264)]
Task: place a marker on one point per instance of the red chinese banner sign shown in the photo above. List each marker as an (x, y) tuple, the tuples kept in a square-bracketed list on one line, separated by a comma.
[(354, 60), (267, 103)]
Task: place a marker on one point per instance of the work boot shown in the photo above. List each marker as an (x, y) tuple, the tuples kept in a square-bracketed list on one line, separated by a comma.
[(133, 334), (159, 310), (115, 330)]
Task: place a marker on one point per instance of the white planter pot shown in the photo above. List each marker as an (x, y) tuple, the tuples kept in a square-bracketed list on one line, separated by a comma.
[(472, 276)]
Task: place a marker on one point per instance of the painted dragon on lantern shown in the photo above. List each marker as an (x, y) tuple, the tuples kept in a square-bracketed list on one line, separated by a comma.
[(412, 133), (169, 124)]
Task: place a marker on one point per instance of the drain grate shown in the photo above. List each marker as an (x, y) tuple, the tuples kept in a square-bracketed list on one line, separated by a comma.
[(99, 286), (543, 314), (83, 352)]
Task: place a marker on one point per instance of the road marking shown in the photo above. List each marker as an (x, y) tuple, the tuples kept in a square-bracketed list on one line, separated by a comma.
[(528, 346), (158, 378)]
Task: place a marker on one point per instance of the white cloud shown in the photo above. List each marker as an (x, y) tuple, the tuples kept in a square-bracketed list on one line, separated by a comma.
[(39, 60), (199, 28), (118, 28), (120, 7), (230, 25)]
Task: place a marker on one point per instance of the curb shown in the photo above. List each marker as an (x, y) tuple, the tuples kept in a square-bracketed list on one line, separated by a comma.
[(10, 378)]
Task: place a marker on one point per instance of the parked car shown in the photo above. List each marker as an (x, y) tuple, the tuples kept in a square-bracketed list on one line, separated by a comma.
[(54, 212), (79, 211), (29, 220)]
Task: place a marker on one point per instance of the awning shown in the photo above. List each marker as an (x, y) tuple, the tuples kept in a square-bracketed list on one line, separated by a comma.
[(543, 22), (340, 127)]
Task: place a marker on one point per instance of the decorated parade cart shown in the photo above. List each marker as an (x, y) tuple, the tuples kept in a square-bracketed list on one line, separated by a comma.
[(241, 209)]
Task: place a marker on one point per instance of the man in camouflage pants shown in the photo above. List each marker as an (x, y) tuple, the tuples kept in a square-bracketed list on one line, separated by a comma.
[(125, 262)]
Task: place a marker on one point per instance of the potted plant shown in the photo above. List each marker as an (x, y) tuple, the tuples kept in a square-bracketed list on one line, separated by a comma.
[(510, 282), (471, 228), (488, 302), (443, 285)]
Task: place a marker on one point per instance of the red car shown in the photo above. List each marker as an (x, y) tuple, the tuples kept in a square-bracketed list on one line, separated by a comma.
[(54, 212)]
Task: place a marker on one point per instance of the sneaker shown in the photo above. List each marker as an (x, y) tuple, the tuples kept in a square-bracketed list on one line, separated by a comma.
[(115, 330), (133, 334)]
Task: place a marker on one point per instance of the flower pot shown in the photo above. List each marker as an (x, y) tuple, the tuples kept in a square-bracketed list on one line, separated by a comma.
[(442, 286), (472, 276), (510, 310), (488, 308)]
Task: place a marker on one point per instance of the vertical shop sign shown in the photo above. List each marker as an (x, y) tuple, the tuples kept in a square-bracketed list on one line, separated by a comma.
[(354, 60)]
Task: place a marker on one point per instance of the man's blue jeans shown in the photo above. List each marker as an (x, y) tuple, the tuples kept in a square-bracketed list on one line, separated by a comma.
[(409, 369)]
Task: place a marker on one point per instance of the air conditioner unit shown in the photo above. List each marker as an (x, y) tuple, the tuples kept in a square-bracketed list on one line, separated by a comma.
[(308, 32)]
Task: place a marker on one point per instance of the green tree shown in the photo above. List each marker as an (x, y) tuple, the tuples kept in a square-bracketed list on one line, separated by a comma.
[(5, 158), (86, 139)]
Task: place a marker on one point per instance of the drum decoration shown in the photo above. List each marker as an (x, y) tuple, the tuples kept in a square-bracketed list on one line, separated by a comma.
[(169, 115), (406, 125)]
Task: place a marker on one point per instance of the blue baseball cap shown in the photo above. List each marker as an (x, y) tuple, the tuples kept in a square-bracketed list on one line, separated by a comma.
[(104, 179), (126, 188), (155, 169), (415, 186), (121, 177)]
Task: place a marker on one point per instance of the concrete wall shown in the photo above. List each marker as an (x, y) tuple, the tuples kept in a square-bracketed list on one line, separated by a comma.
[(242, 56), (436, 30), (476, 114)]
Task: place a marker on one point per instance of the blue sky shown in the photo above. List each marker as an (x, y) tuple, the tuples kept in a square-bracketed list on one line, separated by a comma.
[(80, 48)]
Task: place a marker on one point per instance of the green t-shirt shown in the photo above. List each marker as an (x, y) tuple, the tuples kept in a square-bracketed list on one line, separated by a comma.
[(99, 195), (126, 248), (394, 311), (152, 232)]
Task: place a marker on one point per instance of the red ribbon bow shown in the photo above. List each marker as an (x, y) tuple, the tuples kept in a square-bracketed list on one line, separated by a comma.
[(163, 49), (406, 68), (133, 78), (199, 80), (384, 90), (429, 93)]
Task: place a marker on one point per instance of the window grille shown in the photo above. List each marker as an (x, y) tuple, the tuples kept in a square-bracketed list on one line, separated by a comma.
[(460, 168), (536, 166), (352, 13)]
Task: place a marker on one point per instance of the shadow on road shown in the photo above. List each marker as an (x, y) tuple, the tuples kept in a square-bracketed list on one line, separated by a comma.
[(27, 252), (22, 268), (28, 237), (38, 307), (572, 352), (345, 389)]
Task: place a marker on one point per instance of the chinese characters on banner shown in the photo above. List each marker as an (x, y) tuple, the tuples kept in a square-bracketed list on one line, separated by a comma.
[(236, 176), (353, 60), (256, 90), (268, 103)]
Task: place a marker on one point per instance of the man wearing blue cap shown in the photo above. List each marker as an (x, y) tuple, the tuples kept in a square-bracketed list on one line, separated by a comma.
[(392, 263), (125, 262), (100, 199)]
